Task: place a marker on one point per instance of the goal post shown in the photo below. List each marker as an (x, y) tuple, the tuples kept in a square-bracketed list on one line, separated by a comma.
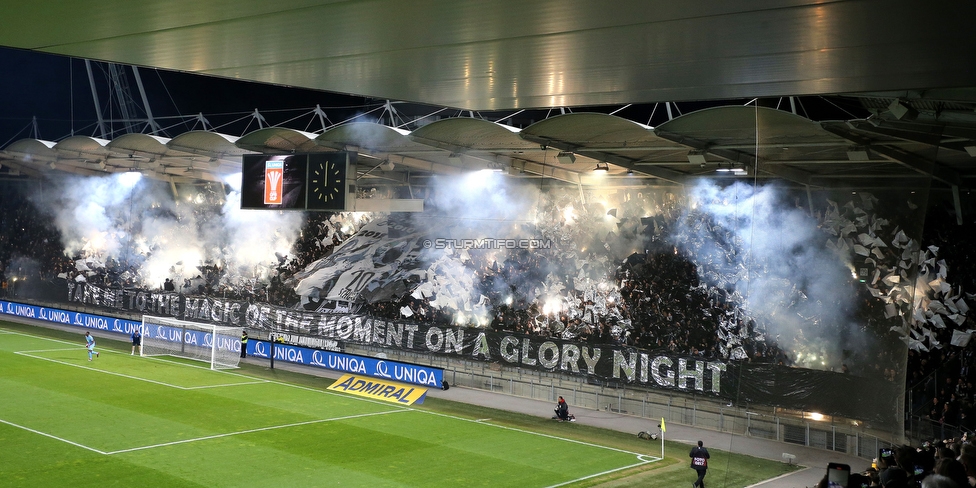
[(215, 344)]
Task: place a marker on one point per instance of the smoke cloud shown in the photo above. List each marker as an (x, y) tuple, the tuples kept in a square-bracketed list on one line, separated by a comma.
[(750, 242), (137, 225)]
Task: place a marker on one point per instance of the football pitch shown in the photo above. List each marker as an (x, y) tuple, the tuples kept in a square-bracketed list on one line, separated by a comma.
[(123, 420)]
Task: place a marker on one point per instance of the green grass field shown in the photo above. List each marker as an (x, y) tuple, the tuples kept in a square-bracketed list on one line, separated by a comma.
[(123, 420)]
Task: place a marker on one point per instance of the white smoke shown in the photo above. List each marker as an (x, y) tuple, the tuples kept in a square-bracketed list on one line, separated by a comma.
[(113, 220), (747, 240)]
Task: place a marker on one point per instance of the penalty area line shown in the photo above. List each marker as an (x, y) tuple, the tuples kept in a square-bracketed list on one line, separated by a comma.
[(249, 431), (51, 436), (131, 377), (123, 375)]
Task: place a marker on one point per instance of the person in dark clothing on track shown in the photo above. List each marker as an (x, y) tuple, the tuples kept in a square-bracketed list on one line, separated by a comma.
[(699, 462), (562, 411)]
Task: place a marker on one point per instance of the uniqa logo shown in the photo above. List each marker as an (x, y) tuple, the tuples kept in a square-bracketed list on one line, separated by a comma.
[(414, 375), (317, 359), (383, 370)]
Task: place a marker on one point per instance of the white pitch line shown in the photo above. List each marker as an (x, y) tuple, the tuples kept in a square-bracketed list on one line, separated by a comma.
[(637, 454), (178, 387), (162, 359), (28, 429), (220, 371), (600, 474), (645, 459), (481, 421), (770, 480), (123, 375), (273, 427)]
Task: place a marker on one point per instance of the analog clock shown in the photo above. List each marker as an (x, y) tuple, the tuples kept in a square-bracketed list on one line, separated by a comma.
[(326, 182)]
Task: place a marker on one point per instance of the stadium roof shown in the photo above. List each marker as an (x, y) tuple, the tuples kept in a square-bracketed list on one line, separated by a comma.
[(514, 54), (910, 68)]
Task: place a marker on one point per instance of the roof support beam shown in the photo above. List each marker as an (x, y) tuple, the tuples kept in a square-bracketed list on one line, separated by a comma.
[(737, 156), (923, 166), (936, 135), (664, 174)]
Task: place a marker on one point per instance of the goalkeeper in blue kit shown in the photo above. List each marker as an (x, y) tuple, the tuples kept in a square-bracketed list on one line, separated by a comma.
[(90, 345)]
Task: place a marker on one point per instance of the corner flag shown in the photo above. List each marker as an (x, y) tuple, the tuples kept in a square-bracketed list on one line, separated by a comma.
[(663, 430)]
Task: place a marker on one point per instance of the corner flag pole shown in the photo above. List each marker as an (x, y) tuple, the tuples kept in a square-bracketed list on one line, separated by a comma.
[(663, 430)]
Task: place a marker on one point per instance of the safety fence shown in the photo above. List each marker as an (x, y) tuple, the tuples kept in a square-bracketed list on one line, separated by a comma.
[(792, 427)]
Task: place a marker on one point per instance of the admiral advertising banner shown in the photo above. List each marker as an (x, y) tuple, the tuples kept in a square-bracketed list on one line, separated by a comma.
[(387, 391)]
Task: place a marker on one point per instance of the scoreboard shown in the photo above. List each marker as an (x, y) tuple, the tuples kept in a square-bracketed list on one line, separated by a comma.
[(313, 181)]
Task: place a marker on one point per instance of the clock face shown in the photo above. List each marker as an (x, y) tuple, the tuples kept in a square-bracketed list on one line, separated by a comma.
[(327, 182)]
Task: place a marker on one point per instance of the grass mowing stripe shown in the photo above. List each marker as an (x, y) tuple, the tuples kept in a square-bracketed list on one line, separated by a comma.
[(28, 429), (390, 455), (32, 336), (539, 434), (257, 379), (101, 371), (804, 468), (249, 431), (596, 475), (224, 385), (46, 350)]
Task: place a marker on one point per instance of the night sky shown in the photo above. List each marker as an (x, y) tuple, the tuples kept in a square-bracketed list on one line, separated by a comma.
[(55, 89)]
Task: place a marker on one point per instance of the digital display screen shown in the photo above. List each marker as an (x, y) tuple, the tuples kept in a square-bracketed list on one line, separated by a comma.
[(273, 182), (315, 181), (837, 478)]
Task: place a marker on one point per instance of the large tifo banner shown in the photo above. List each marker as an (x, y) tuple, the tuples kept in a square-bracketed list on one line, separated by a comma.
[(610, 362), (743, 382)]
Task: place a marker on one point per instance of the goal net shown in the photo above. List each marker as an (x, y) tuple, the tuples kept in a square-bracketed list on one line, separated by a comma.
[(215, 344)]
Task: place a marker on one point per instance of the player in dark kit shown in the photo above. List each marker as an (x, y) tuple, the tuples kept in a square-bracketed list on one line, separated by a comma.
[(699, 462), (136, 342)]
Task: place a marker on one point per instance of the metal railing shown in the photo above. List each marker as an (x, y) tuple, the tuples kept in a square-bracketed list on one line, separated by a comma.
[(788, 426), (922, 429)]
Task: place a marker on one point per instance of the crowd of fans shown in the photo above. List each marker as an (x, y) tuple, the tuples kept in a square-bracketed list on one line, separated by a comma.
[(949, 463), (30, 247), (653, 299), (940, 381)]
